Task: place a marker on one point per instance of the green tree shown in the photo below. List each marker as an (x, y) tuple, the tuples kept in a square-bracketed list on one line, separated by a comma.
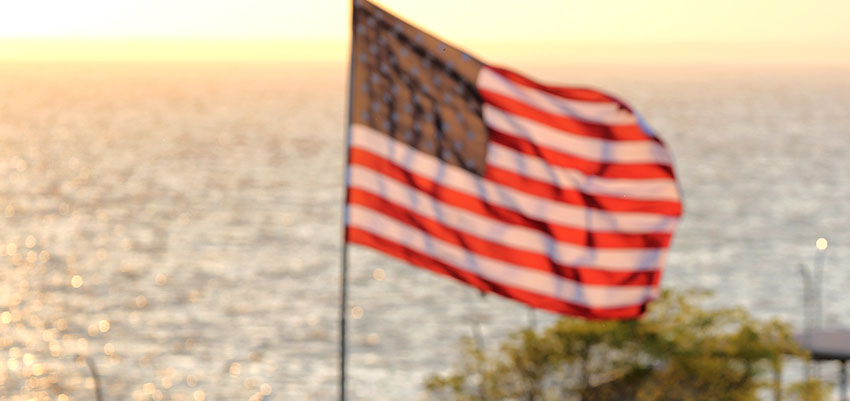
[(678, 351)]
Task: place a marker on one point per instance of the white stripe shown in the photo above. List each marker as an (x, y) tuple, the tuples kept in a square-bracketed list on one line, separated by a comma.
[(608, 113), (509, 235), (534, 207), (534, 167), (596, 149), (536, 281)]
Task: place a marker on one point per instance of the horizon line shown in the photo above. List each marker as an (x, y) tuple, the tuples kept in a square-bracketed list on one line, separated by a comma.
[(282, 49)]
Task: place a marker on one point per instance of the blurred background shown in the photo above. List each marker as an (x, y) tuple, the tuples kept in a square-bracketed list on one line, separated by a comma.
[(171, 193)]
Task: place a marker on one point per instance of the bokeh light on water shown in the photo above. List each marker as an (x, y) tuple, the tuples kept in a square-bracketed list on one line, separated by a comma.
[(146, 219), (178, 226)]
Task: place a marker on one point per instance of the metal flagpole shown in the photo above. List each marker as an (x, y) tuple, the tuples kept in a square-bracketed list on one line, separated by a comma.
[(807, 316), (821, 246), (342, 312), (343, 282), (817, 272)]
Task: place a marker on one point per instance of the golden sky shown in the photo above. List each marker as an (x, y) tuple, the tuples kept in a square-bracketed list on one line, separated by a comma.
[(791, 30)]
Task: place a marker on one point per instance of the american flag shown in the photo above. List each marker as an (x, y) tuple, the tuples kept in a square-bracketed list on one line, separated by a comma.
[(557, 197)]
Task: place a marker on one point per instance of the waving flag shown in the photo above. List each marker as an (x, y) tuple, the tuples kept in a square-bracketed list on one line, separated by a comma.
[(556, 197)]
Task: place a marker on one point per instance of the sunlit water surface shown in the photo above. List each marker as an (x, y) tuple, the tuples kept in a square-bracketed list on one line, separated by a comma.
[(180, 225)]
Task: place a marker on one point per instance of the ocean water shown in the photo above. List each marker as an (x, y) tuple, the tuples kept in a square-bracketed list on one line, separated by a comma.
[(179, 225)]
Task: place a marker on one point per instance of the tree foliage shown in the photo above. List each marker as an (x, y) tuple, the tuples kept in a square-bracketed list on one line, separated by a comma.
[(678, 351)]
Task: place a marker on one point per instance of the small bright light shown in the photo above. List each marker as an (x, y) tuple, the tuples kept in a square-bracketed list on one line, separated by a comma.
[(821, 244), (82, 345), (235, 369)]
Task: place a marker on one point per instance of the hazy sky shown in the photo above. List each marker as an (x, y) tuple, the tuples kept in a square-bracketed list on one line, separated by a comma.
[(776, 26)]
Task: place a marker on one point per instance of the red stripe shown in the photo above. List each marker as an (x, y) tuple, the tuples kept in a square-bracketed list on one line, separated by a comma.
[(574, 93), (608, 203), (387, 246), (588, 167), (477, 205), (495, 250), (565, 122)]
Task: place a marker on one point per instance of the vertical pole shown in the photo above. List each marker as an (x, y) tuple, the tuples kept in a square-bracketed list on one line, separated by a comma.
[(343, 281), (343, 306), (98, 392), (821, 246), (807, 302), (475, 320), (843, 380), (807, 324), (819, 289)]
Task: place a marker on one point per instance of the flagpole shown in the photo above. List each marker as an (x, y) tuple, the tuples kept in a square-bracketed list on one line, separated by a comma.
[(343, 282), (342, 313)]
